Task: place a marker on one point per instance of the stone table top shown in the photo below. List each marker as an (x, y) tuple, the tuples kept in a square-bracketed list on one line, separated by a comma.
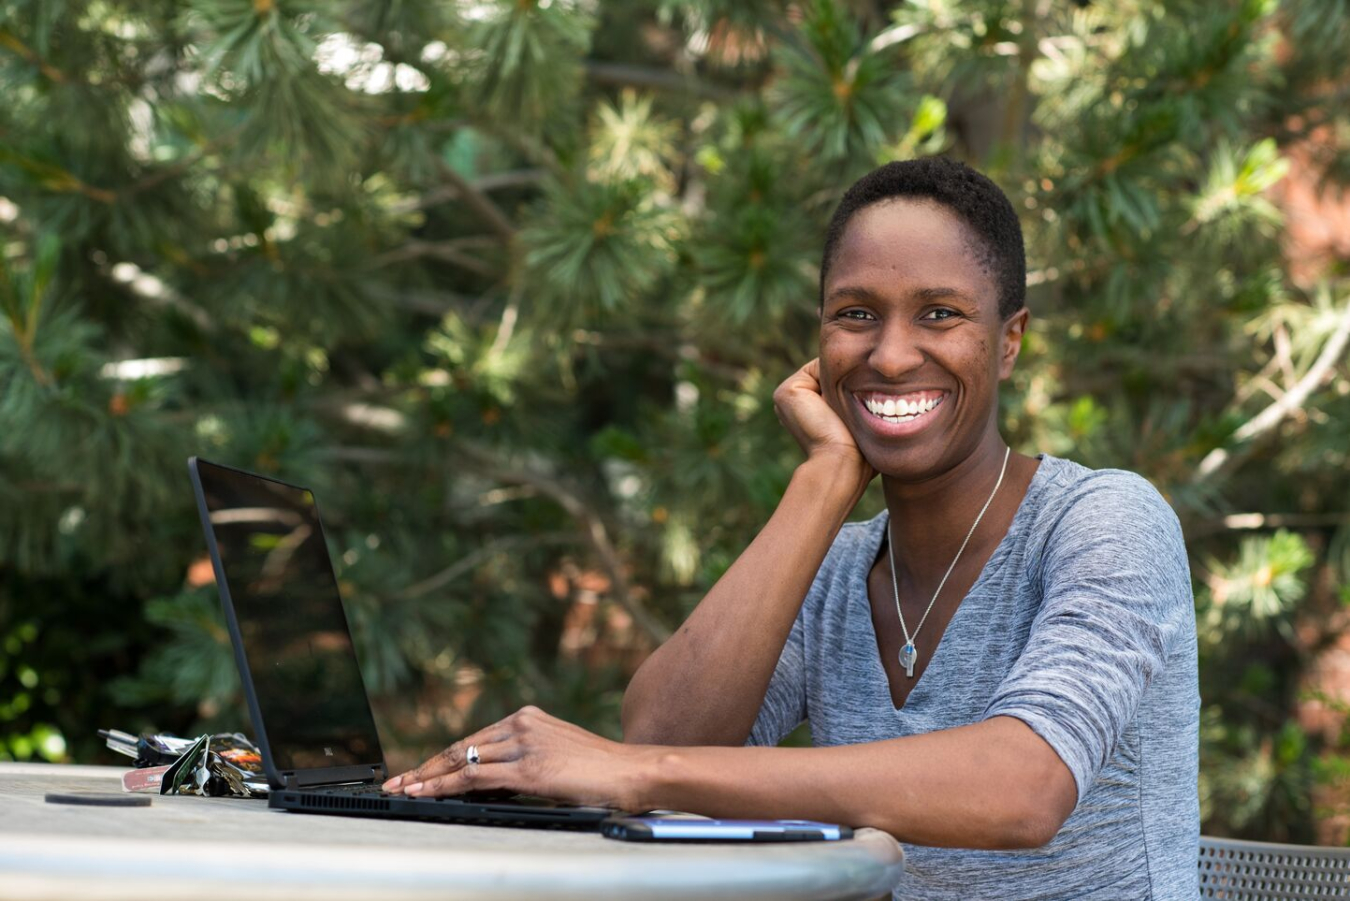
[(183, 846)]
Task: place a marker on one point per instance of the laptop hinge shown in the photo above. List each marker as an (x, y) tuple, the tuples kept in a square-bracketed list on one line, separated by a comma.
[(373, 774)]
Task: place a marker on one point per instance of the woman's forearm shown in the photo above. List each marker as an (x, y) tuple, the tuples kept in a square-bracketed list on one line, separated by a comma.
[(704, 686), (994, 784)]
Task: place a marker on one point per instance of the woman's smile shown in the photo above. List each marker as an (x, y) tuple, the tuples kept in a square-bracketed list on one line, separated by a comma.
[(896, 415)]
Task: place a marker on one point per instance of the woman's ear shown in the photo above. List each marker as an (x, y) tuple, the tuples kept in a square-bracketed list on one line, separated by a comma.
[(1013, 328)]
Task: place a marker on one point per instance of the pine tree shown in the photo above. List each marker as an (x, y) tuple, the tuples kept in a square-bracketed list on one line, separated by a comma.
[(510, 285)]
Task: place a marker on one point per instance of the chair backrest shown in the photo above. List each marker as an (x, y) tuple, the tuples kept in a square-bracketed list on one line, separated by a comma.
[(1259, 871)]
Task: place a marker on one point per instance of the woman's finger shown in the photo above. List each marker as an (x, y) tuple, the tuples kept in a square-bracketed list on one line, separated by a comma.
[(507, 750), (475, 777), (807, 378), (450, 759), (812, 371)]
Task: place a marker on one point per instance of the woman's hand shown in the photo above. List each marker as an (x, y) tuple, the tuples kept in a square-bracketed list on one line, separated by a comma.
[(533, 753), (803, 410)]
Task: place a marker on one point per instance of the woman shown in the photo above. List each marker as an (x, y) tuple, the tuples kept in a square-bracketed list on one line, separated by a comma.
[(999, 670)]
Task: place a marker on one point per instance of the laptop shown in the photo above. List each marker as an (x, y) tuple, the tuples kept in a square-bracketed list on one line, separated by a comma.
[(311, 715)]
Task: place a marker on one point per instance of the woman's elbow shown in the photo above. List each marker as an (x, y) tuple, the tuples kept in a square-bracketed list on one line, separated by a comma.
[(636, 725), (1035, 830), (1042, 794), (1042, 814), (644, 722), (1014, 821)]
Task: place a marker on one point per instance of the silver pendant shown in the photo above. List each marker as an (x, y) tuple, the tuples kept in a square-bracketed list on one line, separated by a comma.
[(908, 655)]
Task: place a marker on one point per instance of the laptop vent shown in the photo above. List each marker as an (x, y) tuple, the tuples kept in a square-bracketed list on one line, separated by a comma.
[(341, 802)]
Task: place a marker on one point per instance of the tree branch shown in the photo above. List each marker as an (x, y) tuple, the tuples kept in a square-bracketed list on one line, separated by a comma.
[(622, 75), (173, 170), (11, 41), (490, 213), (469, 562), (529, 147), (156, 291), (1014, 113), (506, 327), (431, 303), (24, 338), (1256, 521), (448, 251), (661, 345), (1221, 459), (492, 182), (592, 526)]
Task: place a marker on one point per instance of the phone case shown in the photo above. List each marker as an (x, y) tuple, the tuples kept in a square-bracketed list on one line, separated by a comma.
[(681, 829)]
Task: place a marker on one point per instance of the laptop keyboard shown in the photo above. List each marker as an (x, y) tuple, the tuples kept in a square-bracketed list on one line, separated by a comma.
[(361, 788), (365, 790)]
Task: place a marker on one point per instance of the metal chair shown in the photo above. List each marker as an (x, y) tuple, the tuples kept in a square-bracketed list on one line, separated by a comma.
[(1259, 871)]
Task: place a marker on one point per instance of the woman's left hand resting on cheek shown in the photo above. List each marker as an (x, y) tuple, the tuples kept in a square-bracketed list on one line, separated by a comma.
[(533, 753)]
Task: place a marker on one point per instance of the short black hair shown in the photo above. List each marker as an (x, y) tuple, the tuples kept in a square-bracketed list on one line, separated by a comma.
[(979, 202)]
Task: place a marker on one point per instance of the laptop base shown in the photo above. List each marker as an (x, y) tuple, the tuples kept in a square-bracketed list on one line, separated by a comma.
[(452, 810)]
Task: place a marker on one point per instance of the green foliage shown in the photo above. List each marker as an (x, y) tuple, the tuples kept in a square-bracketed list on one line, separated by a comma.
[(1258, 590), (195, 666), (510, 284), (263, 54), (527, 59), (1256, 782), (42, 740), (596, 246), (751, 253), (630, 142), (838, 96)]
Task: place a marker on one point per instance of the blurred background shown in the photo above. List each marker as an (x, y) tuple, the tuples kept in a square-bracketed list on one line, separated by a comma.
[(510, 284)]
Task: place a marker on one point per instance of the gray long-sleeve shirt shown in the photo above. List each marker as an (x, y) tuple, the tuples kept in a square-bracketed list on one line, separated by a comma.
[(1082, 625)]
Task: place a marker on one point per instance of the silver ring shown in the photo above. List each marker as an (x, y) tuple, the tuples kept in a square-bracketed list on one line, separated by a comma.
[(471, 755)]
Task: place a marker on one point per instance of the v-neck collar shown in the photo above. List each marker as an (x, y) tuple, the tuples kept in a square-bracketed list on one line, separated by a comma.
[(872, 547)]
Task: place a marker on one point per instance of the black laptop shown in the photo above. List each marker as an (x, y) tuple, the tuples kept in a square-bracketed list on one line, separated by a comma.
[(311, 715)]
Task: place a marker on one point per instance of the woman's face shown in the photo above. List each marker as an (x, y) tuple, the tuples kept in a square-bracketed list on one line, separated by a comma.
[(911, 344)]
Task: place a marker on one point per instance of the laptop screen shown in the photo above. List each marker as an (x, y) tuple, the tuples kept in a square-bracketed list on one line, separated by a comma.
[(290, 616)]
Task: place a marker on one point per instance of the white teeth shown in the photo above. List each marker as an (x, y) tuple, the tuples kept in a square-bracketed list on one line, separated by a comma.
[(898, 409)]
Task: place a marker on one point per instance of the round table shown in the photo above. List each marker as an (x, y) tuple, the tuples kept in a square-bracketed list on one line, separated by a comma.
[(190, 847)]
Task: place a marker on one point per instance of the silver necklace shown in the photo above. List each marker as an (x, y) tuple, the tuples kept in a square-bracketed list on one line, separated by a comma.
[(909, 654)]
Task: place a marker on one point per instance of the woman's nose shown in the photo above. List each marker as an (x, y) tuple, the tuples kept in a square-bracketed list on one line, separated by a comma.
[(896, 351)]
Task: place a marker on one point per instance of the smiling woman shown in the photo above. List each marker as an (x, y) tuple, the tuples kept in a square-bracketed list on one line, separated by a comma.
[(999, 669)]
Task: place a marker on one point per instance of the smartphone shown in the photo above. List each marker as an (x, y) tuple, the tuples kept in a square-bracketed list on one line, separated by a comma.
[(682, 829)]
